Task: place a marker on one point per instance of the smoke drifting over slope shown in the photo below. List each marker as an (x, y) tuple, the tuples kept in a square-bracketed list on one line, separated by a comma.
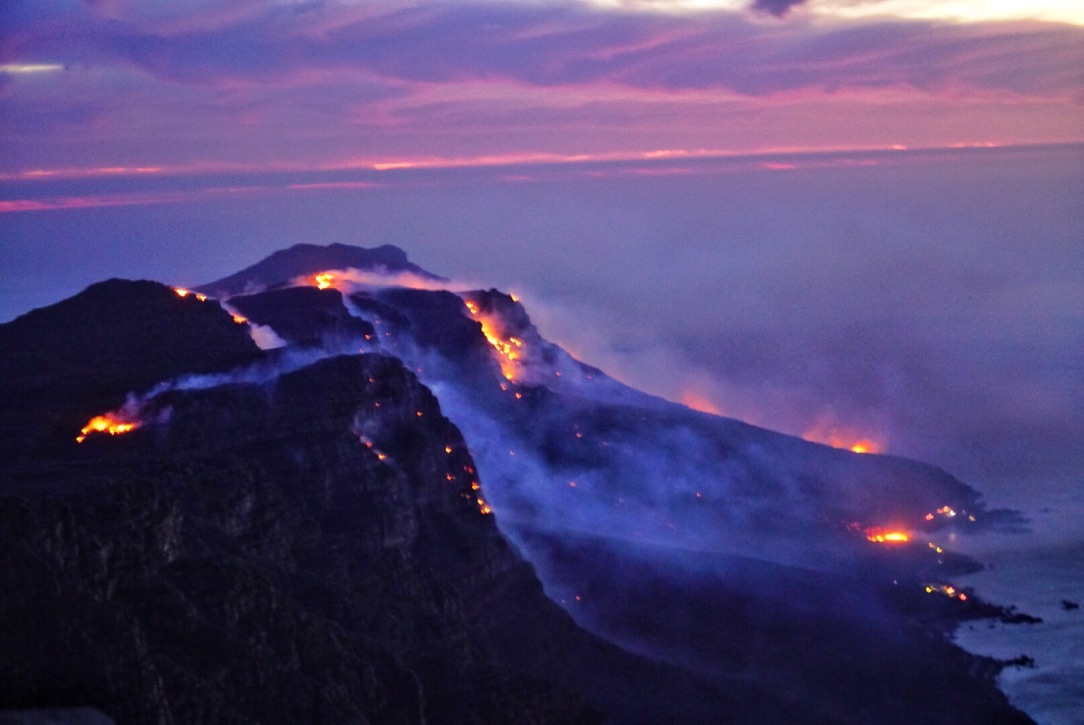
[(648, 521)]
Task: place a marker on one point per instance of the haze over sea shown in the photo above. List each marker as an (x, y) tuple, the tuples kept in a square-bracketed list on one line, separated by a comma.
[(930, 302)]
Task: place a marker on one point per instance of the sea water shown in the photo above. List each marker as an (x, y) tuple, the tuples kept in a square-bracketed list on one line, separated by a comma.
[(1041, 573)]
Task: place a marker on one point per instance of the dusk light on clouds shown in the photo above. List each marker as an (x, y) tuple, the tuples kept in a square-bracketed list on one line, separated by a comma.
[(108, 87)]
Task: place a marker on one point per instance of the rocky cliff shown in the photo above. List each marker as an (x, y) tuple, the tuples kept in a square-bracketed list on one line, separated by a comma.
[(304, 535)]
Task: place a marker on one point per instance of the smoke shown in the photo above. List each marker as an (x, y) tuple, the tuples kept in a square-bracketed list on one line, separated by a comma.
[(353, 280), (265, 338)]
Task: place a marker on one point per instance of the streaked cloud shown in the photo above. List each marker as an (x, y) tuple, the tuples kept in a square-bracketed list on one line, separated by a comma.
[(240, 82), (20, 68)]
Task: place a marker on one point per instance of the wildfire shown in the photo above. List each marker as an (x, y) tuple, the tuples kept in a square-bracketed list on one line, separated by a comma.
[(240, 319), (880, 535), (863, 445), (109, 423), (510, 349), (948, 590), (948, 512), (182, 292), (840, 436), (323, 280)]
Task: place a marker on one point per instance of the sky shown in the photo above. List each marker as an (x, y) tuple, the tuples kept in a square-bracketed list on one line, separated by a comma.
[(831, 217), (129, 88)]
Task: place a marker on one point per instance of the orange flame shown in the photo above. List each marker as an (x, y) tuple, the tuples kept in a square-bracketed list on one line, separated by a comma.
[(240, 319), (948, 590), (323, 280), (509, 349), (109, 423), (883, 536), (832, 436), (182, 292)]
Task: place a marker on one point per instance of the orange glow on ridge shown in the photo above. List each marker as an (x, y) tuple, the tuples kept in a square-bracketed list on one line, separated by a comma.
[(509, 349), (323, 280), (691, 399), (109, 423), (884, 536), (842, 437)]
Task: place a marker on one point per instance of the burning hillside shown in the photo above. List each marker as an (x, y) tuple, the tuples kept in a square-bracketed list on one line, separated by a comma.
[(363, 479), (111, 423)]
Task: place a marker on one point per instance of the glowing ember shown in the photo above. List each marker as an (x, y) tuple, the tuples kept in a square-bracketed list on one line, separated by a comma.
[(323, 280), (109, 423), (239, 319), (509, 349), (948, 590), (182, 292), (883, 536), (696, 401), (841, 437)]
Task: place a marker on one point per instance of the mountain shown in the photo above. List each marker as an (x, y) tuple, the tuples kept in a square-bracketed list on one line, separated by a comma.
[(419, 509), (308, 259)]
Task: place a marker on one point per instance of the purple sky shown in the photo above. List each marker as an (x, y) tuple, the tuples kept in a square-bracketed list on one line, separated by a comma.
[(115, 87)]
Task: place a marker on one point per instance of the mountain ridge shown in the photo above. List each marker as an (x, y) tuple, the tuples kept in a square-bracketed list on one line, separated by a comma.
[(307, 259), (411, 500)]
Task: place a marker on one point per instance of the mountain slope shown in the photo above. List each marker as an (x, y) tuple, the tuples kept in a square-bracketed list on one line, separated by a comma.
[(309, 537), (308, 259)]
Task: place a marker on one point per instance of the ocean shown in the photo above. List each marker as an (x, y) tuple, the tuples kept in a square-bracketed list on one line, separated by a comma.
[(1041, 573)]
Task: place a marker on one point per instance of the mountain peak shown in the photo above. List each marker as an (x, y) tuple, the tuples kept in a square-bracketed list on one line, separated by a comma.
[(305, 259)]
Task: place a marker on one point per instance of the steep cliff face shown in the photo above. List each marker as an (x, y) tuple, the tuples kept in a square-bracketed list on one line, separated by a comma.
[(255, 559)]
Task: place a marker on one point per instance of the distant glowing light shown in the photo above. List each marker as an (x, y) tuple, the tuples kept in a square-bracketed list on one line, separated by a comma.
[(883, 536), (696, 401), (26, 68), (841, 436), (182, 292), (946, 589), (964, 11), (110, 423), (323, 280), (954, 10)]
